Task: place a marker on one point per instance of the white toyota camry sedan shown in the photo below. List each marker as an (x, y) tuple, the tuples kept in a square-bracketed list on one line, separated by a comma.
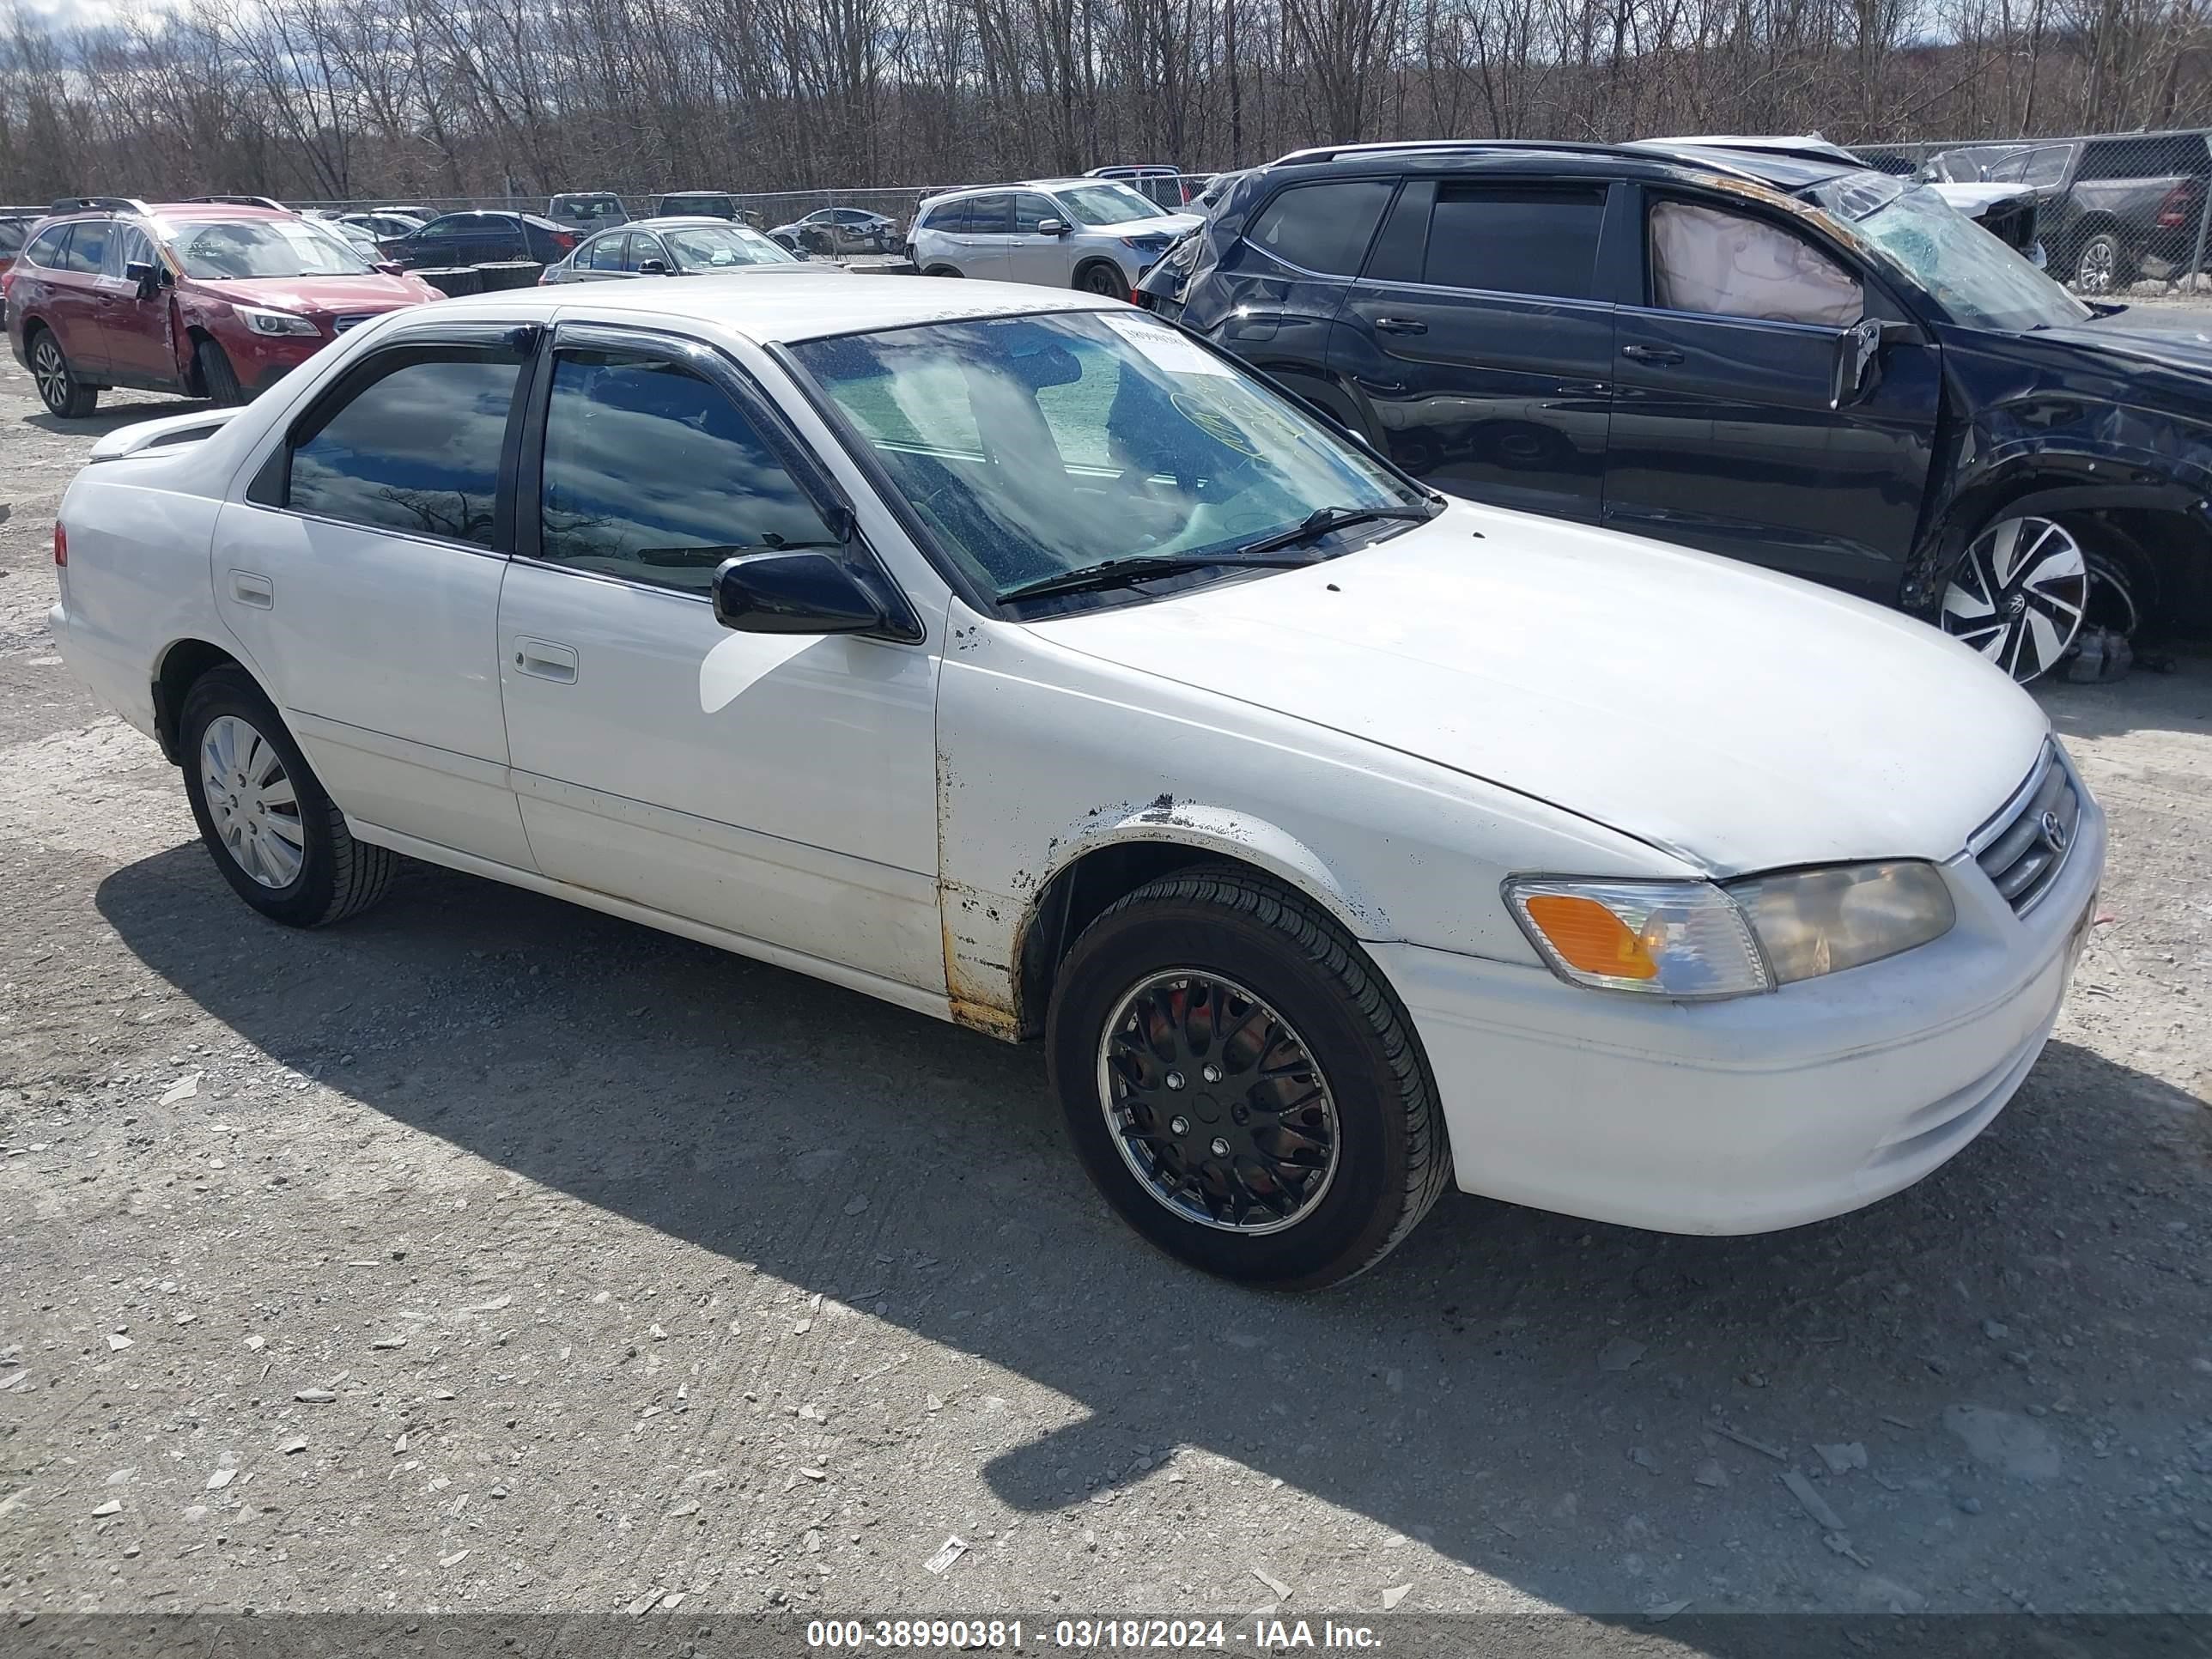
[(1017, 659)]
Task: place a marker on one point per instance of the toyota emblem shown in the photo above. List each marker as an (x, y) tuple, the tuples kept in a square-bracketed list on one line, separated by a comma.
[(2054, 832)]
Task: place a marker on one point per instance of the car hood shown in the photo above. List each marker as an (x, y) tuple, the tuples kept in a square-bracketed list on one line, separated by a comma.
[(1975, 200), (310, 295), (1160, 224), (1740, 719), (2175, 338)]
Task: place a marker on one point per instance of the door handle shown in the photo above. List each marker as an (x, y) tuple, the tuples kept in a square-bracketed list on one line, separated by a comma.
[(1400, 325), (544, 660), (1644, 354), (248, 588), (1583, 389)]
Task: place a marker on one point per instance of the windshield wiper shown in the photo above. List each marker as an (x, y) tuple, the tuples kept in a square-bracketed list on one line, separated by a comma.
[(1120, 573), (1323, 519)]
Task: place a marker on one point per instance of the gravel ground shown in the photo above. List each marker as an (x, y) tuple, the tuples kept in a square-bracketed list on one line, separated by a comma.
[(490, 1253)]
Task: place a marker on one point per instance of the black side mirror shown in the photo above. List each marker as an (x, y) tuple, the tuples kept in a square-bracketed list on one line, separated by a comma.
[(801, 591), (1858, 353), (145, 275), (652, 267)]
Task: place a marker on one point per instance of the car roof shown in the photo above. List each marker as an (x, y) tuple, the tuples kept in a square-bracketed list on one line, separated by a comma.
[(674, 222), (769, 312), (1778, 169)]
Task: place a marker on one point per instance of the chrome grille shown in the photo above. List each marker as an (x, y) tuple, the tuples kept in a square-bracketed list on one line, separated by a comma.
[(2023, 848)]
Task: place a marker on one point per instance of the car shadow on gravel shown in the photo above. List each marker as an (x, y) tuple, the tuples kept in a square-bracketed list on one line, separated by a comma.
[(2146, 701), (1537, 1397), (101, 422)]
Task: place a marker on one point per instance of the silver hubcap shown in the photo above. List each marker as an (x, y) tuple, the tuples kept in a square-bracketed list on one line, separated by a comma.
[(1215, 1103), (50, 373), (2095, 274), (2018, 596), (250, 799)]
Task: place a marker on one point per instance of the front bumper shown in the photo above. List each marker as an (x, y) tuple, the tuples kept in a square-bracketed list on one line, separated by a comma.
[(1759, 1113)]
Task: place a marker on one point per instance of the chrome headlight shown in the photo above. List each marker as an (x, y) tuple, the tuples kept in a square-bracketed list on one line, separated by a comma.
[(261, 321), (1821, 921), (1692, 940)]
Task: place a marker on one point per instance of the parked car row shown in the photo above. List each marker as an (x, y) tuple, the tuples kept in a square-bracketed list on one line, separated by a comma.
[(1811, 365), (680, 246), (1098, 234)]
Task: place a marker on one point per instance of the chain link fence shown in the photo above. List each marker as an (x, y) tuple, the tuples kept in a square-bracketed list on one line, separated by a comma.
[(2119, 215)]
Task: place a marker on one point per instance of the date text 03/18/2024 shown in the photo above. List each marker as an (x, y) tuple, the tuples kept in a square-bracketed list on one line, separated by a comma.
[(1108, 1635)]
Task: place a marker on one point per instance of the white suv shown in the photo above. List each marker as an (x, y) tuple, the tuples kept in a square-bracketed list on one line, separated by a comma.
[(1097, 234)]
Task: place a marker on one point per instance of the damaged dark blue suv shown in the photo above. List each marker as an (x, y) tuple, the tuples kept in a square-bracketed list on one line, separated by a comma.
[(1821, 369)]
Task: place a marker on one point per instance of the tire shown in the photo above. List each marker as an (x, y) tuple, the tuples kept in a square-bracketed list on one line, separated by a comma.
[(1099, 277), (2102, 266), (1293, 985), (942, 270), (301, 866), (2019, 591), (217, 376), (59, 389)]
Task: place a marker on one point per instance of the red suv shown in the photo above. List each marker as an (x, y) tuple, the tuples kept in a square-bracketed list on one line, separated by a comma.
[(211, 300)]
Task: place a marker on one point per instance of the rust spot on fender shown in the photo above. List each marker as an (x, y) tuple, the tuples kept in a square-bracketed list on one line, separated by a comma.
[(979, 995)]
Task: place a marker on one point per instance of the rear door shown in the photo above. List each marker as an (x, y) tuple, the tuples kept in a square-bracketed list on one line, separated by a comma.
[(986, 235), (1283, 283), (1722, 435), (1480, 337), (1033, 255), (76, 296)]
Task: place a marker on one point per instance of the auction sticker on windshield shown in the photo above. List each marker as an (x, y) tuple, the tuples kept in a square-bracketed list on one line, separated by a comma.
[(1165, 347)]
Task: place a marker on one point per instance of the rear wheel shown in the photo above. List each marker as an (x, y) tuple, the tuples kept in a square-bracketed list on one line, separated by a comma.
[(2102, 265), (1242, 1085), (59, 389), (279, 841), (2018, 593), (217, 377)]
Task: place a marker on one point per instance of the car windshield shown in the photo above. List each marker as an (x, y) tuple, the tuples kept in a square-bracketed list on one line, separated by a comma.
[(245, 249), (1105, 204), (709, 247), (1040, 444), (1971, 274)]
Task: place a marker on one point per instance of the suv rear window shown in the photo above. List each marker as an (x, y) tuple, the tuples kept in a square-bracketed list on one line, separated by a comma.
[(1509, 239), (1322, 227)]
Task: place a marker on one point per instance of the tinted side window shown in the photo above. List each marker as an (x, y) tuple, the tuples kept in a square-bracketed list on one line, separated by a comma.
[(1515, 240), (87, 245), (46, 248), (990, 216), (2143, 158), (1323, 227), (605, 254), (641, 248), (1031, 210), (652, 474), (416, 450)]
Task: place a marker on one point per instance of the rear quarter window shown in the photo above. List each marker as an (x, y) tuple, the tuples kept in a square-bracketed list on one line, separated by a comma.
[(1322, 227), (46, 248)]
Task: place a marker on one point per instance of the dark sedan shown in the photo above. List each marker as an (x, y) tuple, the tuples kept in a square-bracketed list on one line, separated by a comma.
[(481, 239), (691, 246)]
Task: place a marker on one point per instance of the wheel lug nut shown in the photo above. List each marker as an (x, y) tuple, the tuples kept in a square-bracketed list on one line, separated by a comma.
[(1179, 1125), (1175, 1079), (1220, 1147), (1214, 1074)]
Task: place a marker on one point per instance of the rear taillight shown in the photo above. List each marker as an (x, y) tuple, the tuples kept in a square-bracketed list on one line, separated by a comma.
[(61, 545), (2174, 212), (563, 240)]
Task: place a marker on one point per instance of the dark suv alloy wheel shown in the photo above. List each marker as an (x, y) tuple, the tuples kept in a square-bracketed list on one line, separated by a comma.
[(59, 389)]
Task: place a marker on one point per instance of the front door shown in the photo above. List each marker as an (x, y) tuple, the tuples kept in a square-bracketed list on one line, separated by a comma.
[(782, 789), (1722, 435), (361, 578), (1479, 340), (141, 349)]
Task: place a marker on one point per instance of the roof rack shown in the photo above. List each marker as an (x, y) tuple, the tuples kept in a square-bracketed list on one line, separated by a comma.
[(98, 203), (1532, 146), (242, 201)]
